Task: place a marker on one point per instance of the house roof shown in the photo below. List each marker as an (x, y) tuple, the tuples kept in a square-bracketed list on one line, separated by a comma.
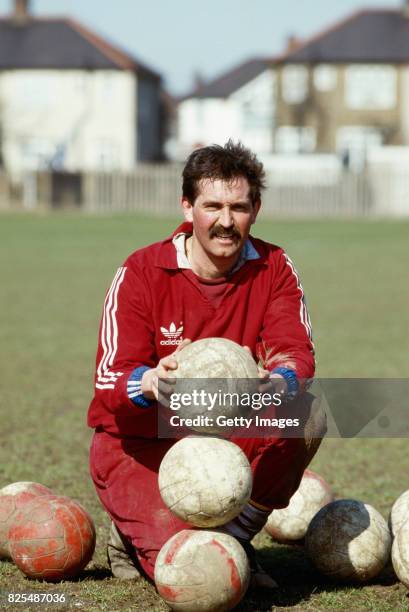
[(232, 80), (371, 35), (62, 44)]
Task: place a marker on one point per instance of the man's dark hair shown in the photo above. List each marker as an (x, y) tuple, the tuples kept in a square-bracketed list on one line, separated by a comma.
[(226, 163)]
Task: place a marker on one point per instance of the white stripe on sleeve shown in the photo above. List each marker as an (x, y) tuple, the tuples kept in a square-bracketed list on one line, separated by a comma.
[(109, 335), (304, 316)]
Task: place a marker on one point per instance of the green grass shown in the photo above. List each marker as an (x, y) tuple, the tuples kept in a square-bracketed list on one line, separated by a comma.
[(54, 273)]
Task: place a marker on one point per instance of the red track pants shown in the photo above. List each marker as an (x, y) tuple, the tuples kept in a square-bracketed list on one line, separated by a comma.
[(125, 473)]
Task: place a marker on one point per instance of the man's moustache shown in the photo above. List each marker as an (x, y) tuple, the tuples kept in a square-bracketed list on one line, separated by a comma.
[(219, 232)]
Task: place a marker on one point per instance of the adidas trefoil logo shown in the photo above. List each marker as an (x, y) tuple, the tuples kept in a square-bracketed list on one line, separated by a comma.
[(173, 335)]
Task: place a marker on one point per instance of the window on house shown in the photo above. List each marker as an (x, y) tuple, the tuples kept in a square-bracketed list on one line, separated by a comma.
[(370, 87), (294, 84), (257, 100), (325, 77), (256, 116), (358, 137), (290, 139)]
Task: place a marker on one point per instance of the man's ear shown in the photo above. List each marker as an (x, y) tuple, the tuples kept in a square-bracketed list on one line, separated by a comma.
[(255, 211), (187, 209)]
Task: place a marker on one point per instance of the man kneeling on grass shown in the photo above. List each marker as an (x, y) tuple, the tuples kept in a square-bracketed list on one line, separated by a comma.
[(210, 278)]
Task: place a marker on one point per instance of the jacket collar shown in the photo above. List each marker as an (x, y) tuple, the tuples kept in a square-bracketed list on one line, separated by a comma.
[(166, 257)]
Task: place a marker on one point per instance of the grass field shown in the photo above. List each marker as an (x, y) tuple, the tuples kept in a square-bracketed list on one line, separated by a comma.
[(54, 273)]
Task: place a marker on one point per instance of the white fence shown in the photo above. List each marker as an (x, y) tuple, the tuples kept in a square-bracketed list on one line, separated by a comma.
[(158, 190), (155, 189), (348, 196)]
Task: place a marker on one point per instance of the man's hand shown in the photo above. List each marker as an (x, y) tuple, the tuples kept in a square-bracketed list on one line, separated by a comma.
[(164, 369)]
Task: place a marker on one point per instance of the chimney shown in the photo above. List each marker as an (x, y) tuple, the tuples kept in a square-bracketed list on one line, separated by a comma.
[(198, 80), (21, 12), (293, 42)]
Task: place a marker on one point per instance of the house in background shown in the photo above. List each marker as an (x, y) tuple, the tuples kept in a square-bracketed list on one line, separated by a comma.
[(343, 91), (70, 100), (240, 104), (346, 89)]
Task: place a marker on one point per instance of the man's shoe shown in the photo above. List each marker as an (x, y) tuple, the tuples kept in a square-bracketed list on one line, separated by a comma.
[(121, 556), (259, 579)]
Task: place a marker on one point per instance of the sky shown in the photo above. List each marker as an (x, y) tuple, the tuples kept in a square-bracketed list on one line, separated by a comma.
[(179, 38)]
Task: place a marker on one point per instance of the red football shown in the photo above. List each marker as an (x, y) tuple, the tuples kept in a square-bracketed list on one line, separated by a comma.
[(52, 538), (12, 498)]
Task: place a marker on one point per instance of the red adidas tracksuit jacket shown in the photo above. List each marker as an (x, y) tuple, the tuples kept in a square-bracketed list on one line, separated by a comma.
[(263, 308), (151, 305)]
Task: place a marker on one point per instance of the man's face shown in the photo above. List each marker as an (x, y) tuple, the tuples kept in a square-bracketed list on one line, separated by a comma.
[(222, 215)]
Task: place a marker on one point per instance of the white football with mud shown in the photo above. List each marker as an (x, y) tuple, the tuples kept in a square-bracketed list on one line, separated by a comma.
[(399, 513), (400, 553), (349, 541), (226, 370), (290, 524), (215, 358), (205, 481)]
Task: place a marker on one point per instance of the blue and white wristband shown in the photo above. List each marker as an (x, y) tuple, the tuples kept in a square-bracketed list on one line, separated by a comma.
[(134, 388), (291, 379)]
